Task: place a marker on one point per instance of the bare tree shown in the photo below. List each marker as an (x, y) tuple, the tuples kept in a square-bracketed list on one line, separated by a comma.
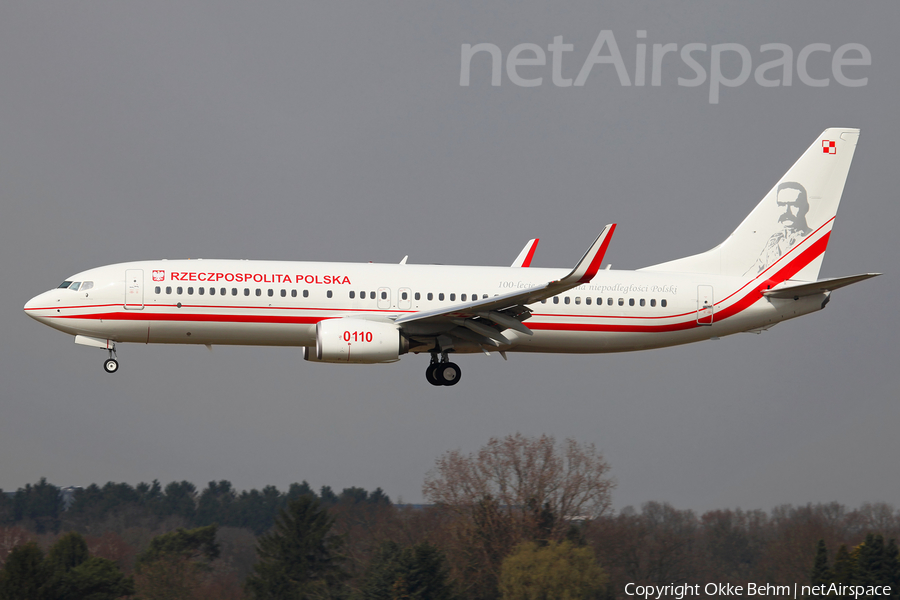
[(521, 473), (513, 489)]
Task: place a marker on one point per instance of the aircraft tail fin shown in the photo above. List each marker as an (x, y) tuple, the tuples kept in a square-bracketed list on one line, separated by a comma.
[(785, 236)]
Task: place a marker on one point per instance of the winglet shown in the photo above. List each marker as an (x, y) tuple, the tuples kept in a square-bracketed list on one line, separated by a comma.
[(527, 253), (590, 263)]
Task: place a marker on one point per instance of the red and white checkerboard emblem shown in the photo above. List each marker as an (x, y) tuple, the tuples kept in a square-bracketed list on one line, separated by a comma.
[(829, 147), (159, 275)]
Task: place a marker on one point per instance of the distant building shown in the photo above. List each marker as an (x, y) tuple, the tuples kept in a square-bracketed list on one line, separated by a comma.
[(68, 495)]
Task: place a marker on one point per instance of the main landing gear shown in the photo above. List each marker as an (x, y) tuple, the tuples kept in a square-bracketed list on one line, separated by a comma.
[(111, 365), (442, 372)]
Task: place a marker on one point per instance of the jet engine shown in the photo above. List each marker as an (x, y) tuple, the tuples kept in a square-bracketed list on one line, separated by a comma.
[(348, 340)]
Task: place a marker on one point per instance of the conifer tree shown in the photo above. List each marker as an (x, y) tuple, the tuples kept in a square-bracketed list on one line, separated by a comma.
[(892, 568), (23, 574), (843, 566), (415, 573), (299, 558), (821, 574)]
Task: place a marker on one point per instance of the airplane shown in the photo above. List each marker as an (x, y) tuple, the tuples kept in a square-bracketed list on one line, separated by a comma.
[(765, 272)]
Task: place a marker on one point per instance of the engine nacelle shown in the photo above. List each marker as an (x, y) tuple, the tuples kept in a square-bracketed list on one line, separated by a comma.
[(347, 340)]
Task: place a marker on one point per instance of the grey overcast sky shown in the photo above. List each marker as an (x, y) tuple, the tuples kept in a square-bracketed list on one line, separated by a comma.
[(340, 131)]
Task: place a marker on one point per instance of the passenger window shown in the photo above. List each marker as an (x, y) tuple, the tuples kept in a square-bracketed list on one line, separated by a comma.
[(234, 291), (555, 299), (258, 292), (179, 290), (484, 297), (418, 296), (362, 295), (621, 301), (587, 300), (328, 294), (567, 300), (212, 291), (169, 290), (430, 296), (246, 291), (441, 296), (383, 296), (156, 290), (270, 292), (544, 301), (631, 302), (223, 291), (652, 301), (201, 291), (404, 295), (284, 293), (190, 291), (609, 301), (293, 293), (643, 302), (577, 299), (452, 297), (352, 295), (599, 301), (87, 285), (463, 297), (74, 287), (662, 303), (306, 293)]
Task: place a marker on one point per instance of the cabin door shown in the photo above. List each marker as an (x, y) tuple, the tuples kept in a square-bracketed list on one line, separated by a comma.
[(705, 305), (134, 289)]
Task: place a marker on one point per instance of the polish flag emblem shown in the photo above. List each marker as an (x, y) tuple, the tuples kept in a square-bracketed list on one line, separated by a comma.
[(829, 147), (159, 275)]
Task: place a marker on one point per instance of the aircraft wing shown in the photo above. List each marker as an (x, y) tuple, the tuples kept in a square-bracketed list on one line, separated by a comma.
[(483, 320), (798, 290), (527, 253)]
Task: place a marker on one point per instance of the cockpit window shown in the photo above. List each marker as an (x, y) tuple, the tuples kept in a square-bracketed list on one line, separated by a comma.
[(87, 285), (74, 287), (64, 285)]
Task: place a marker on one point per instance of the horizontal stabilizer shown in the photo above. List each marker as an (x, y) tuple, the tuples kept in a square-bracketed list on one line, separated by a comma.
[(798, 290)]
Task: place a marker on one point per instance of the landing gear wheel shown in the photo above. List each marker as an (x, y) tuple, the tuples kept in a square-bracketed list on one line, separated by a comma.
[(448, 373), (431, 376), (111, 365)]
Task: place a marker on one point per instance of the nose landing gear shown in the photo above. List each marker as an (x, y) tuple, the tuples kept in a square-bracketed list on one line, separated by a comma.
[(442, 372), (111, 365)]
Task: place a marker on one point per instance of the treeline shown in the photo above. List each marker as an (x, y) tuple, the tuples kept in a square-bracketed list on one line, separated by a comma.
[(43, 507), (810, 544), (521, 518)]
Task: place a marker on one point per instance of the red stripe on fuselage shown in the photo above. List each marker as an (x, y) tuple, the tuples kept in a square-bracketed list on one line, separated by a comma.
[(796, 264), (754, 295)]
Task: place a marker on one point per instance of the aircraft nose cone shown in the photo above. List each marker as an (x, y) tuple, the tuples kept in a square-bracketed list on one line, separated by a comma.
[(33, 307)]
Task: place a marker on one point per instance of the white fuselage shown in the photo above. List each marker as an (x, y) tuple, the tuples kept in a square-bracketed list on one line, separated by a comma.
[(279, 303)]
